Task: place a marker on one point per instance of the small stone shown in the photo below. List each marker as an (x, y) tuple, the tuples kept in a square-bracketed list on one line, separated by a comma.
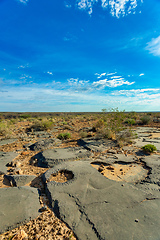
[(137, 220), (18, 164), (20, 235), (43, 209), (112, 151), (100, 169)]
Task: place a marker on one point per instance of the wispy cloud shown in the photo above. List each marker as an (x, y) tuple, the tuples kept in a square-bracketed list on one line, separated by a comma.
[(117, 8), (50, 73), (23, 1), (41, 98), (67, 4), (136, 92), (104, 80), (154, 46), (86, 5), (142, 74), (101, 84), (109, 80)]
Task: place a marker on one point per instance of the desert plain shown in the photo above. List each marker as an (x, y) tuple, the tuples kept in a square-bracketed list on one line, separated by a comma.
[(80, 176)]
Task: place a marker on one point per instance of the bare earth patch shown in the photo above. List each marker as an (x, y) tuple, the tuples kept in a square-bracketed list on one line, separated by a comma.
[(61, 176), (45, 227), (122, 172), (155, 135)]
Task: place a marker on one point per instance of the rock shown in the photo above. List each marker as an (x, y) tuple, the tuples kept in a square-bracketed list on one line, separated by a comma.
[(124, 158), (7, 141), (44, 144), (96, 145), (98, 208), (144, 138), (51, 157), (17, 206), (5, 158), (112, 151), (20, 180), (153, 163)]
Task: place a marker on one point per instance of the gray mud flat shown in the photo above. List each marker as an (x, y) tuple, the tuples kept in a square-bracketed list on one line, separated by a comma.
[(98, 208), (17, 206)]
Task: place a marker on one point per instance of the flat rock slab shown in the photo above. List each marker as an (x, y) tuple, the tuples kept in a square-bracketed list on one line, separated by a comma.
[(6, 157), (153, 162), (44, 144), (125, 159), (20, 180), (17, 206), (96, 145), (98, 208), (52, 157), (7, 141), (144, 137)]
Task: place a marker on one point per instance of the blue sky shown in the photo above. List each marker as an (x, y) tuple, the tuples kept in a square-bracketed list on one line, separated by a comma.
[(79, 55)]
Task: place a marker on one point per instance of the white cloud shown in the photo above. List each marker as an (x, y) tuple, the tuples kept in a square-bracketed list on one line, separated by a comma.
[(136, 92), (109, 80), (67, 4), (50, 73), (101, 84), (86, 5), (23, 1), (108, 74), (154, 46), (117, 8), (100, 75), (142, 74), (41, 98)]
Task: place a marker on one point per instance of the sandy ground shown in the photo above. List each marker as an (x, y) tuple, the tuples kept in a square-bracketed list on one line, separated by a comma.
[(122, 172)]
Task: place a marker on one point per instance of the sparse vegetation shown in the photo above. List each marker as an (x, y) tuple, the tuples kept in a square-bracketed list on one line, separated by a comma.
[(145, 119), (83, 134), (64, 136), (149, 148), (43, 125), (130, 121)]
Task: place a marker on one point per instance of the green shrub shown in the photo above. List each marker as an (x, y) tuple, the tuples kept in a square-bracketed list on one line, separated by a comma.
[(145, 119), (149, 148), (100, 123), (130, 121), (5, 129), (24, 116), (41, 126), (64, 136)]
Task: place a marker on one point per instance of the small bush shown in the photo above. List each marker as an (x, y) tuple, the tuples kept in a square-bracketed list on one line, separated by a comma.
[(24, 116), (83, 134), (125, 137), (149, 148), (99, 124), (107, 133), (145, 119), (5, 129), (41, 126), (130, 122), (64, 136)]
